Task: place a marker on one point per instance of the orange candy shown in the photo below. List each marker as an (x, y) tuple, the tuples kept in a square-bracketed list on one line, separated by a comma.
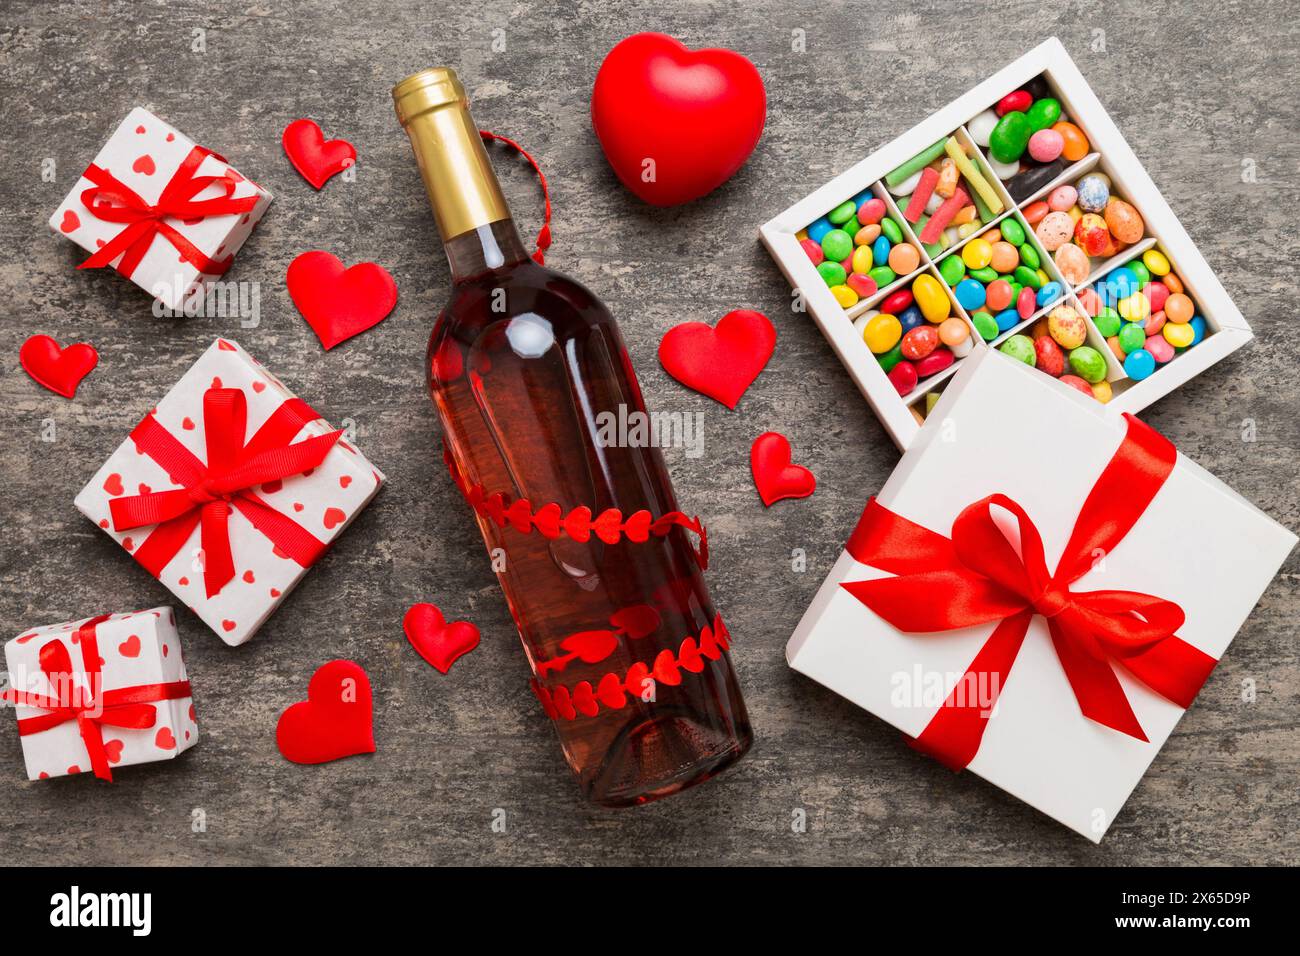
[(1035, 212), (1005, 258), (998, 295), (1076, 144), (904, 258), (1179, 308), (1172, 282)]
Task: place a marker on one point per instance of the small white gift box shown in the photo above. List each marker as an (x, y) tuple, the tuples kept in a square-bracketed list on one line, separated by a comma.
[(1193, 561), (229, 490), (100, 693), (162, 210)]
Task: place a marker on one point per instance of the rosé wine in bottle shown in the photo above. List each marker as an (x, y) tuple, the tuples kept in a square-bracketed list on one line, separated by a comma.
[(601, 570)]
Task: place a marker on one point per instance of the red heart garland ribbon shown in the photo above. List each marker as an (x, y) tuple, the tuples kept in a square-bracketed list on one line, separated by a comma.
[(210, 490), (90, 707), (544, 234), (978, 578), (111, 200)]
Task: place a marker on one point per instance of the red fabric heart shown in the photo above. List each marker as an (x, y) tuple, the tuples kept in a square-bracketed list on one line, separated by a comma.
[(674, 123), (723, 361), (774, 475), (312, 156), (335, 719), (339, 303), (58, 369), (438, 642)]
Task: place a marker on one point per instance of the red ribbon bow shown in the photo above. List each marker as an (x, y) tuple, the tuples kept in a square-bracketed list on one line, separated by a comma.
[(209, 491), (91, 708), (977, 577), (111, 200)]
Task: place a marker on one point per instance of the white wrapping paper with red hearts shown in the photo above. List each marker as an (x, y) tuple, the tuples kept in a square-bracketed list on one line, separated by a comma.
[(320, 501), (180, 239), (1001, 427), (138, 649)]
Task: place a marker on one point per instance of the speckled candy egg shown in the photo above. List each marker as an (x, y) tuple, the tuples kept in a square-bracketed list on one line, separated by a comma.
[(1091, 233), (1072, 263), (1062, 198), (1066, 327), (1048, 356), (1054, 230), (1124, 222), (1094, 193)]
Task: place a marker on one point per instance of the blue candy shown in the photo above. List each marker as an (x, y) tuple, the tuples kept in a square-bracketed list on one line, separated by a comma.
[(1121, 283), (880, 251), (911, 317), (817, 231), (970, 294), (1049, 293), (1138, 364), (1006, 318), (1198, 328), (1093, 193)]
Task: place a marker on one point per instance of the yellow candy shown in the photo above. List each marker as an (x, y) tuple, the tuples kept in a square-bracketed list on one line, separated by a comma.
[(977, 254), (1155, 262), (1043, 277), (1076, 213), (844, 295), (1135, 307), (882, 333), (862, 261), (1178, 335), (968, 228), (801, 235), (931, 298), (1101, 391)]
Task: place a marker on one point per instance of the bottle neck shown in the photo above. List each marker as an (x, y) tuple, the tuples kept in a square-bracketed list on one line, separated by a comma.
[(493, 246)]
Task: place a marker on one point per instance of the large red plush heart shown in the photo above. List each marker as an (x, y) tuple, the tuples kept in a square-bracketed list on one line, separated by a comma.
[(719, 362), (674, 123), (438, 642), (335, 719), (312, 156), (58, 369), (774, 475), (339, 303)]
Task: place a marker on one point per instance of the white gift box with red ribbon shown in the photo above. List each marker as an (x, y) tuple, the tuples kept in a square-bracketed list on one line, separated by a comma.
[(1038, 592), (229, 490), (100, 693), (165, 212)]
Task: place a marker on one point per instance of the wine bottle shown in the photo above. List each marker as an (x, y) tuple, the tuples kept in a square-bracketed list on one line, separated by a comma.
[(600, 568)]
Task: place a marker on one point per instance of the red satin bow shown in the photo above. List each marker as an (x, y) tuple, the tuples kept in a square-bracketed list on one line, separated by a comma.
[(209, 491), (89, 706), (978, 577), (111, 200)]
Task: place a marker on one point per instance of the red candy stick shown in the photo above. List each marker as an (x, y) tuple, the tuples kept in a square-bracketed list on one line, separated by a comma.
[(921, 195), (943, 215)]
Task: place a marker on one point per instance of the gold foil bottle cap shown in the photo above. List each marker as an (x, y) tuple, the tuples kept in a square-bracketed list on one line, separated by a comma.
[(427, 90)]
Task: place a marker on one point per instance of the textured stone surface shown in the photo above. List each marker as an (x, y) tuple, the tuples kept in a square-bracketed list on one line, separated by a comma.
[(1197, 93)]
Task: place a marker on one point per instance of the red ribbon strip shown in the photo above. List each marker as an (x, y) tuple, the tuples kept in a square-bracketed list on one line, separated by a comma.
[(977, 577), (544, 234), (111, 200), (209, 491), (91, 708)]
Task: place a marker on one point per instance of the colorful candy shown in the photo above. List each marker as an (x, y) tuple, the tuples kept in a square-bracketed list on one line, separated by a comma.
[(858, 248)]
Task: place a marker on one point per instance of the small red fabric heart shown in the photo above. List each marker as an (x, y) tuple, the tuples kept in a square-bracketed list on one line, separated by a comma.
[(774, 475), (311, 155), (439, 643), (675, 123), (58, 369), (334, 721), (720, 362), (339, 303)]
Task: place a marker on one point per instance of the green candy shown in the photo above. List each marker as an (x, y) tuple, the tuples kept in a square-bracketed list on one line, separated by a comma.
[(1141, 271), (915, 164), (1015, 289), (952, 269), (889, 229), (883, 276), (1042, 114), (842, 213), (1087, 363), (1108, 322), (986, 275), (1027, 276), (832, 273), (1029, 255), (1132, 336), (1020, 348), (891, 358), (1010, 137), (1012, 231), (985, 325), (837, 244)]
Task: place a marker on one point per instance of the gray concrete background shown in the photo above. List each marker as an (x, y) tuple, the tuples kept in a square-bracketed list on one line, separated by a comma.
[(1198, 90)]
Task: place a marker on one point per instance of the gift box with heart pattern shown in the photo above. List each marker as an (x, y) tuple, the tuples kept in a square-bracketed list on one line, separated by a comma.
[(229, 490)]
